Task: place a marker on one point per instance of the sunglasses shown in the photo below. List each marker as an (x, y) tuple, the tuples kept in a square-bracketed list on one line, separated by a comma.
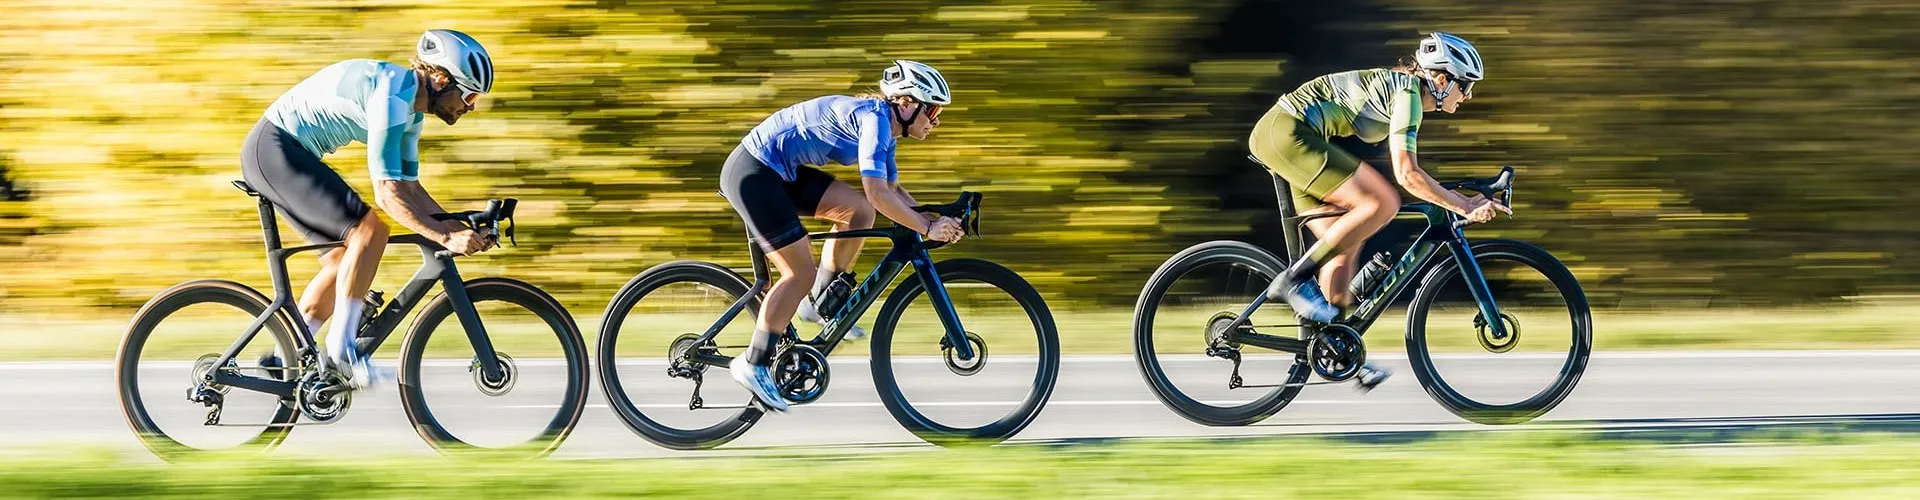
[(467, 96), (1466, 86)]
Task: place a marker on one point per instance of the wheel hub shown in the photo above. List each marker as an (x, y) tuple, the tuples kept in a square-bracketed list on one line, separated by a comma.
[(967, 367), (203, 372), (1493, 343), (495, 387), (680, 353), (1219, 343)]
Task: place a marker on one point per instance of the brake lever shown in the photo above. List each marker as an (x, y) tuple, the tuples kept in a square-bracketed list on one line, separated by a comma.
[(509, 232)]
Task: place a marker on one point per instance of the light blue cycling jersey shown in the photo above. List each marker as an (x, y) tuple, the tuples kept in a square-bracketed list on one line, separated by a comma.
[(357, 100), (846, 130)]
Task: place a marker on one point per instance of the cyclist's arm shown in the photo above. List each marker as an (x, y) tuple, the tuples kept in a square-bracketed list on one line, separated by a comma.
[(1403, 142), (911, 202), (393, 159), (410, 205), (879, 177)]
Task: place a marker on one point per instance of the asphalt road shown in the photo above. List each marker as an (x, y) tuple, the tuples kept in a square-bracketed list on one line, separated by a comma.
[(48, 404)]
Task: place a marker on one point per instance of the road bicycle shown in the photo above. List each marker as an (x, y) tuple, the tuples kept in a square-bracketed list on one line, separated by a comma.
[(464, 371), (1202, 322), (663, 323)]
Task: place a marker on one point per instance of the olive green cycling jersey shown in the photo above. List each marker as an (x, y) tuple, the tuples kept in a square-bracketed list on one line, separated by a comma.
[(1372, 104)]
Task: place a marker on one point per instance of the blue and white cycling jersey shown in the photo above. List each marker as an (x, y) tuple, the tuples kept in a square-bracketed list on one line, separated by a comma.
[(840, 129), (357, 100)]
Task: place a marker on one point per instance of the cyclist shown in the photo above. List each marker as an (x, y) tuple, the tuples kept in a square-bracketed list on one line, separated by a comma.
[(1374, 105), (771, 179), (382, 105)]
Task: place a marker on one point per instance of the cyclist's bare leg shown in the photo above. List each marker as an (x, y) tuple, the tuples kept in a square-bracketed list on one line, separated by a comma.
[(1336, 274), (1370, 202), (316, 301), (795, 262), (366, 242), (849, 211), (359, 259)]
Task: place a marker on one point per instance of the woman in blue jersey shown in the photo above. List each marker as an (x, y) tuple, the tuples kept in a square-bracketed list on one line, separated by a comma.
[(1374, 105), (771, 179)]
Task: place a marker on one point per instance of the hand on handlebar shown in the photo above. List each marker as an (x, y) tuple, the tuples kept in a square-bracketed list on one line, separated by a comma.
[(468, 242), (1481, 209), (945, 229)]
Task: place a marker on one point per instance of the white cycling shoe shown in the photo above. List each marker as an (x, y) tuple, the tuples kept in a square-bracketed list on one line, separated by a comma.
[(361, 372), (759, 381)]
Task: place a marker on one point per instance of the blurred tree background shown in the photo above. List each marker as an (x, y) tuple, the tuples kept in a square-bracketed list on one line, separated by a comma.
[(1723, 152)]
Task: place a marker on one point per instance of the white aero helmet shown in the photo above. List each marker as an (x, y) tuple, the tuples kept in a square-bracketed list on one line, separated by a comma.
[(461, 56), (1452, 54), (916, 80)]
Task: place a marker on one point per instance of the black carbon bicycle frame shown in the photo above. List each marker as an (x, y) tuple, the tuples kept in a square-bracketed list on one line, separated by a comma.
[(436, 267), (908, 248), (1443, 230)]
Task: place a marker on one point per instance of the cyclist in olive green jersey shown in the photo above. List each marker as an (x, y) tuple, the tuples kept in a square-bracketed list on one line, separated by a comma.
[(1373, 105)]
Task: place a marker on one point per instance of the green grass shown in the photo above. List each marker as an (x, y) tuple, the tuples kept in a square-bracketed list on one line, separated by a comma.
[(1106, 331), (1475, 466)]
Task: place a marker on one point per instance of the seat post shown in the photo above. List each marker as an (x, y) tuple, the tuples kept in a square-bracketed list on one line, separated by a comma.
[(761, 275), (1289, 219), (267, 225)]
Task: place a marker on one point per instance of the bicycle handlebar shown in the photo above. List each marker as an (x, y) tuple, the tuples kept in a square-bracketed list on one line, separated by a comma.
[(487, 221), (966, 208), (1502, 184)]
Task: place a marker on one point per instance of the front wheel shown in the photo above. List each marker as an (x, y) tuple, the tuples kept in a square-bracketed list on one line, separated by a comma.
[(535, 402), (985, 399), (1491, 379)]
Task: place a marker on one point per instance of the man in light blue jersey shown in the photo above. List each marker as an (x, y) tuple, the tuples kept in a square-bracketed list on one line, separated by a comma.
[(771, 180), (382, 105)]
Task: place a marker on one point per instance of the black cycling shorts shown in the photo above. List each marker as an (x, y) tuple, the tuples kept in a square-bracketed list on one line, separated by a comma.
[(772, 206), (310, 195)]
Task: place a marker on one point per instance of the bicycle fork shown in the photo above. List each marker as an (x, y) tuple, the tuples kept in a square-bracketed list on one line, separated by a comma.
[(956, 337), (1477, 285)]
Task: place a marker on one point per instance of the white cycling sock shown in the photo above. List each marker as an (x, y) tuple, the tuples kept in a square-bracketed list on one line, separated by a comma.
[(313, 325), (346, 321)]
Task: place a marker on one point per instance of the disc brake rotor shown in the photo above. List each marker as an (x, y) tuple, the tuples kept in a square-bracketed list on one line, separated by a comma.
[(968, 367), (509, 375), (1484, 332)]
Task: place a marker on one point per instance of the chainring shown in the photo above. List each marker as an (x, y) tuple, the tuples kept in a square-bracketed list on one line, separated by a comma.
[(324, 396), (801, 373), (1336, 353)]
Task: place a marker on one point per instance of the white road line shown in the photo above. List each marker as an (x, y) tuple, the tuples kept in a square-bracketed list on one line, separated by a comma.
[(1097, 358), (938, 404)]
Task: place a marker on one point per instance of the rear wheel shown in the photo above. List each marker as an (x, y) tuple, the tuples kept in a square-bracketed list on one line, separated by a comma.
[(165, 360), (650, 329), (1181, 344)]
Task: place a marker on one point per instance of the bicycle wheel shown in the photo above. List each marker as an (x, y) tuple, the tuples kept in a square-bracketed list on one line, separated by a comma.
[(1017, 356), (649, 328), (1500, 380), (538, 400), (179, 335), (1178, 336)]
